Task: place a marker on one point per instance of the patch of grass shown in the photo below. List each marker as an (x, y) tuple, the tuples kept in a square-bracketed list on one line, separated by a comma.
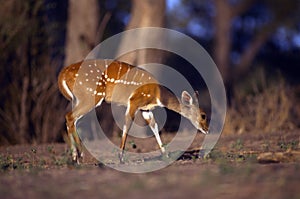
[(32, 160), (286, 145), (50, 149), (9, 163), (214, 155), (62, 160), (260, 104), (237, 145), (220, 157)]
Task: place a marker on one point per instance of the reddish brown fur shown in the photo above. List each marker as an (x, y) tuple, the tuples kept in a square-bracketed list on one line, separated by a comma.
[(88, 83)]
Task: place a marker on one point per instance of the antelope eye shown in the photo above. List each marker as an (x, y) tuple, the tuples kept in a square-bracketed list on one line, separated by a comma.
[(203, 116)]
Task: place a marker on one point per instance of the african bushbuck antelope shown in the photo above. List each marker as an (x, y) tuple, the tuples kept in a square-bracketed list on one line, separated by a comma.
[(124, 84)]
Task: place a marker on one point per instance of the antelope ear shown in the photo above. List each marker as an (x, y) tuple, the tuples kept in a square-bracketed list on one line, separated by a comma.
[(186, 98), (196, 95)]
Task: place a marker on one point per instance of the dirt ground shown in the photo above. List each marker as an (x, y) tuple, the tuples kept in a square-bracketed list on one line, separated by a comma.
[(240, 166)]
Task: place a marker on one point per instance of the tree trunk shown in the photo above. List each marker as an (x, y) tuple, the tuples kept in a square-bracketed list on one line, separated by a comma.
[(83, 21), (222, 43), (145, 13)]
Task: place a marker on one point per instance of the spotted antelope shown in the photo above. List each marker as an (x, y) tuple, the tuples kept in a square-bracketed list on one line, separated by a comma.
[(124, 84)]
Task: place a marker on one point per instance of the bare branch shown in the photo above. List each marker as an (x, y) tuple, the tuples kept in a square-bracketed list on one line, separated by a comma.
[(252, 50), (102, 26), (241, 7)]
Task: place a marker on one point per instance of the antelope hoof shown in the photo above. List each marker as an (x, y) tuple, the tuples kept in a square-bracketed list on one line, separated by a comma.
[(163, 150), (75, 160), (74, 157), (121, 157), (164, 153), (77, 157)]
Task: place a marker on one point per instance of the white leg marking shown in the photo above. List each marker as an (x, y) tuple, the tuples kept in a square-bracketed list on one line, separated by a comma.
[(159, 103), (148, 115), (127, 110), (99, 103), (124, 130), (156, 133)]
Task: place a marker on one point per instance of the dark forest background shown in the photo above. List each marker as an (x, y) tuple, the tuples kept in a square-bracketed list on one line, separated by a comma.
[(255, 44)]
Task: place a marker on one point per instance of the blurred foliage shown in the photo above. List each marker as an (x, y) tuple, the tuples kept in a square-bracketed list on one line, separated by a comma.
[(263, 103), (120, 15), (29, 101), (196, 18), (32, 36)]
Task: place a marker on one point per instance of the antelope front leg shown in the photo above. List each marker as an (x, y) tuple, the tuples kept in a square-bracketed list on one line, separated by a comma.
[(148, 116)]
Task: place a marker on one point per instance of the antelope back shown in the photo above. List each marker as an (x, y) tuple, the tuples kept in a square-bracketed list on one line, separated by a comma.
[(113, 80)]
